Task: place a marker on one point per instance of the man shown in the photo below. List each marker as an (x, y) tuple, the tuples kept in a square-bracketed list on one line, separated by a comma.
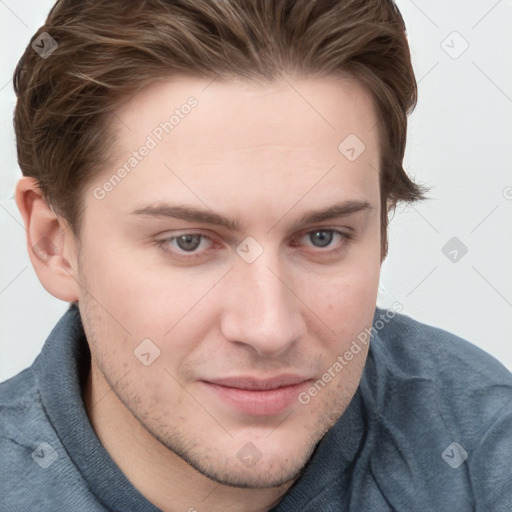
[(208, 183)]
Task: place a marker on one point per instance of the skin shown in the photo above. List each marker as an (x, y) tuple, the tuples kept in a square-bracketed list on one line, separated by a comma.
[(260, 154)]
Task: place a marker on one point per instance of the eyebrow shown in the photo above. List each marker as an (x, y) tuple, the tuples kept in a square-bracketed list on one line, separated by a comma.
[(189, 214)]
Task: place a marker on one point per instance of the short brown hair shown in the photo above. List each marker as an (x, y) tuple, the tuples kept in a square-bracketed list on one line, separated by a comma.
[(110, 49)]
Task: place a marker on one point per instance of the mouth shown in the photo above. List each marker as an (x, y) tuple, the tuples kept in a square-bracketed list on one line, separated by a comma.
[(261, 397)]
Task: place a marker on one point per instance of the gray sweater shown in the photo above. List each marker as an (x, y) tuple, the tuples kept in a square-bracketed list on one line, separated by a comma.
[(429, 429)]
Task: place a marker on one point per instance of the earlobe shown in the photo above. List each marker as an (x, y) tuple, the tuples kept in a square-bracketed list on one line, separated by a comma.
[(50, 242)]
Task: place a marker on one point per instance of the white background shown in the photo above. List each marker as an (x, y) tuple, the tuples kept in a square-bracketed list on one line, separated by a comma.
[(459, 144)]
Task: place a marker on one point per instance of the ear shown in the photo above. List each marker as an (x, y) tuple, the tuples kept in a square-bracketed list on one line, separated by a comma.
[(50, 242)]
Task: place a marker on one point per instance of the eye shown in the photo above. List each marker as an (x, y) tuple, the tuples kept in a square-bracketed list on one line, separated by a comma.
[(186, 243), (322, 238)]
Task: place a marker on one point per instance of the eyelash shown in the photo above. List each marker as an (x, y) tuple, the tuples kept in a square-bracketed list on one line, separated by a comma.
[(165, 244)]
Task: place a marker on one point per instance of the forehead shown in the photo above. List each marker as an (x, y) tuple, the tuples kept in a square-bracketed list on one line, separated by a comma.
[(233, 112), (221, 140)]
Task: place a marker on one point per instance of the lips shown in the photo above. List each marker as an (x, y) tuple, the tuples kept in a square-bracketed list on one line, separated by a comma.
[(254, 384), (257, 396)]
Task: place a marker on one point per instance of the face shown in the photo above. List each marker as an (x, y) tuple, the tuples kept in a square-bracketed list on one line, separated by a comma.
[(232, 264)]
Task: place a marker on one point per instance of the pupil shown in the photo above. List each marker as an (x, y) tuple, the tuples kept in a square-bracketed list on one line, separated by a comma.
[(188, 242), (321, 238)]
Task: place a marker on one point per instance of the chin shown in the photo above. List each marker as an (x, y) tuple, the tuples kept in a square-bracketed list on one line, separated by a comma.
[(267, 475), (277, 462)]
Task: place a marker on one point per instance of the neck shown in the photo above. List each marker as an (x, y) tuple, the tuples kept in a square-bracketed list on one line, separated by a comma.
[(158, 473)]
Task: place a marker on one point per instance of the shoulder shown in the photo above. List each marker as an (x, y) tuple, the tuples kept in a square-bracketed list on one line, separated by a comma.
[(442, 372), (20, 403), (447, 404), (35, 471), (23, 427), (411, 348), (440, 416)]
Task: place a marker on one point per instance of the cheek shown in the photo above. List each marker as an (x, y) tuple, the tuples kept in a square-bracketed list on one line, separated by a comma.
[(132, 289), (344, 300), (135, 301)]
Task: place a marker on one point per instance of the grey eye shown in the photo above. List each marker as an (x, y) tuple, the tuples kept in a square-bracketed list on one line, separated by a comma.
[(188, 242), (321, 238)]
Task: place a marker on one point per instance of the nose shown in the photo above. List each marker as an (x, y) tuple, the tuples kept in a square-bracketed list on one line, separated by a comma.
[(261, 311)]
